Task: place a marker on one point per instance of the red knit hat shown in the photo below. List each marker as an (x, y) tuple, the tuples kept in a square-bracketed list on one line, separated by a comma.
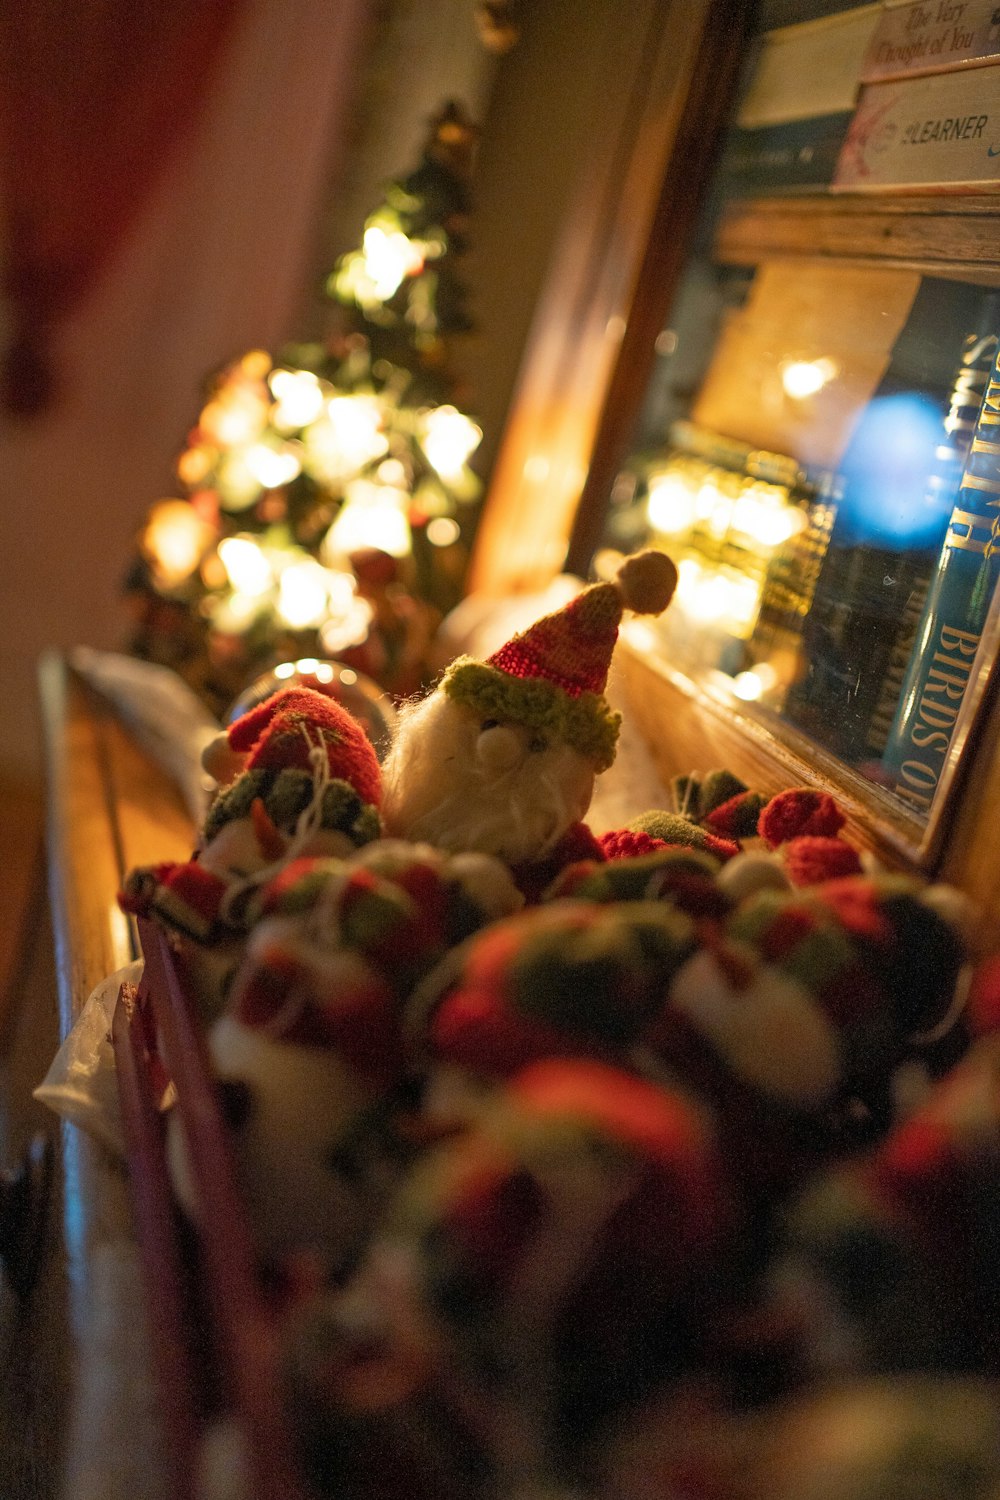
[(281, 732), (552, 676)]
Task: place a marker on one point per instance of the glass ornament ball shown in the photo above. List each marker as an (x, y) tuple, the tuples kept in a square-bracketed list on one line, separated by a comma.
[(360, 695)]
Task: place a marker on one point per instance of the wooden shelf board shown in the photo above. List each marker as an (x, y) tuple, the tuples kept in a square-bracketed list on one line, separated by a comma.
[(955, 233)]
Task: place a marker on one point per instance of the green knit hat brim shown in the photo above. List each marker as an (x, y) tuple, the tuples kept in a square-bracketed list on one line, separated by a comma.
[(285, 795), (587, 722)]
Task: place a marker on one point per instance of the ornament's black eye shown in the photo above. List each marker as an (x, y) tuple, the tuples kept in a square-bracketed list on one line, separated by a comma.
[(489, 724), (537, 744)]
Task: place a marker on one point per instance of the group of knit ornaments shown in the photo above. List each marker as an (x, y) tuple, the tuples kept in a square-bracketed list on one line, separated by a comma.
[(659, 1163)]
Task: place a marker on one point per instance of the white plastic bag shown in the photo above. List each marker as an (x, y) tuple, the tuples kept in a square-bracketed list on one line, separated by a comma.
[(81, 1085)]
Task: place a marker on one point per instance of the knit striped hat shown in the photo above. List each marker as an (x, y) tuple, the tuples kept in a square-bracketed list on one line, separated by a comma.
[(302, 748), (551, 677), (282, 732)]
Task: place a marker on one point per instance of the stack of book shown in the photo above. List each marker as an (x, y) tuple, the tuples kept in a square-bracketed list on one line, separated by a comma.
[(798, 102), (890, 97), (928, 115)]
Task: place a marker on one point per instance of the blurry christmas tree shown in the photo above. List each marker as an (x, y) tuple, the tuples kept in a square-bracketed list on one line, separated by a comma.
[(327, 492)]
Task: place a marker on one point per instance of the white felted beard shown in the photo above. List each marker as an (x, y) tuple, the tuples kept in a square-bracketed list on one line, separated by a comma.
[(437, 786)]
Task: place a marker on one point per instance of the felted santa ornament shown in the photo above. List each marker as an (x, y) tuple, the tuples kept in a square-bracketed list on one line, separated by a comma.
[(894, 1256), (502, 756), (541, 1270), (305, 1055), (399, 906), (569, 979), (313, 770), (310, 786)]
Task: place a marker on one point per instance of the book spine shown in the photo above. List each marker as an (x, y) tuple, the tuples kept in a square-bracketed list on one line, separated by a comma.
[(891, 688), (964, 406), (947, 644), (932, 36), (939, 132), (893, 494), (797, 154)]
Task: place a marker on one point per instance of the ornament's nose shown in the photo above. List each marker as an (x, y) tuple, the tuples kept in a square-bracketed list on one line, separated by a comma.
[(499, 748)]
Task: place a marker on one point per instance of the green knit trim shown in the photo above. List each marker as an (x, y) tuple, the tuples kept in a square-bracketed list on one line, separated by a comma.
[(286, 794), (235, 801), (305, 893), (586, 723), (604, 980)]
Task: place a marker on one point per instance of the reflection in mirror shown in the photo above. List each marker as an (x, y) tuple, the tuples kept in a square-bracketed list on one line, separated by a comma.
[(819, 451)]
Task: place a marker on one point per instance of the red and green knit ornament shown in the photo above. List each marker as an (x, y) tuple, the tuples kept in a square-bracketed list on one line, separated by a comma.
[(282, 732), (901, 1245), (627, 843), (343, 1004), (798, 812), (806, 826), (626, 1176), (812, 859), (674, 828), (402, 920), (721, 803), (882, 964), (572, 978), (737, 817), (185, 896), (552, 676), (682, 877)]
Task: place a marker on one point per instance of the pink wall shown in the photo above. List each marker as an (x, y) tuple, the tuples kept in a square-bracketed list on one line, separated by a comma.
[(215, 267)]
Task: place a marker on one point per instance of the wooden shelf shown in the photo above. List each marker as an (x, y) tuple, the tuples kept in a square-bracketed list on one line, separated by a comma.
[(109, 808), (957, 234), (708, 731)]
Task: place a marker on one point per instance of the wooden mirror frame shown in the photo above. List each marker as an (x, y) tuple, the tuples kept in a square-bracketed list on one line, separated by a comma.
[(612, 282)]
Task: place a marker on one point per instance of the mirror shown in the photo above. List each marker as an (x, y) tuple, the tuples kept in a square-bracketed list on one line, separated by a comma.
[(819, 451)]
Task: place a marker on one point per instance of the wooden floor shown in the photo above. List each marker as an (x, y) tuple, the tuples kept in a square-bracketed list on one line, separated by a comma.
[(34, 1378)]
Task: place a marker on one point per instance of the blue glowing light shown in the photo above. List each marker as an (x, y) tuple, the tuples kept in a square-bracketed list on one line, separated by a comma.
[(899, 476)]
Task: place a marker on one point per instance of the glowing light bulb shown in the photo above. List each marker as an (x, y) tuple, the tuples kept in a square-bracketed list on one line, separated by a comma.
[(255, 364), (238, 487), (298, 398), (342, 588), (234, 615), (709, 601), (234, 417), (391, 471), (752, 684), (347, 437), (443, 531), (247, 568), (762, 515), (174, 539), (805, 377), (670, 505), (389, 257), (374, 516), (272, 467), (742, 599), (721, 514), (449, 438), (302, 594), (346, 626), (194, 464)]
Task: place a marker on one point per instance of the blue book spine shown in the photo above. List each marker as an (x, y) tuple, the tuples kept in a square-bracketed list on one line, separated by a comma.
[(958, 603)]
